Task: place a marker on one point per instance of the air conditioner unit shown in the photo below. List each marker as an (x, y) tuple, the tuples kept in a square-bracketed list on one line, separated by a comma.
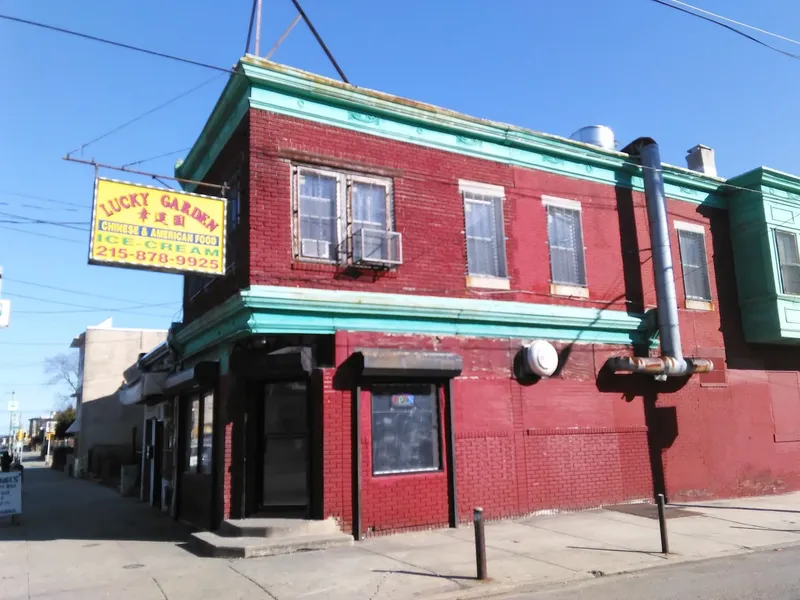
[(377, 247), (315, 249)]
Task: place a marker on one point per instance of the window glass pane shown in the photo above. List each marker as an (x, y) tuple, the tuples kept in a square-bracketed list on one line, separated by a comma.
[(789, 261), (317, 206), (484, 232), (207, 439), (233, 197), (193, 433), (565, 237), (405, 429), (369, 212), (694, 265)]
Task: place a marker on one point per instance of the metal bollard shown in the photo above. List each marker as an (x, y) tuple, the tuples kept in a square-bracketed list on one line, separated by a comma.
[(662, 523), (480, 543)]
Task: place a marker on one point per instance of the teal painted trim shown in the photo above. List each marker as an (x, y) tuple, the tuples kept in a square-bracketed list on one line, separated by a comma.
[(299, 94), (275, 309), (225, 118)]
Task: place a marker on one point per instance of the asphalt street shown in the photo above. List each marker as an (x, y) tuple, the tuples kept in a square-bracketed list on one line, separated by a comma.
[(764, 575)]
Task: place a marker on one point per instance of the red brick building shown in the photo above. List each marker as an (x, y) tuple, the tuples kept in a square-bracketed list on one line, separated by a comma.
[(389, 264)]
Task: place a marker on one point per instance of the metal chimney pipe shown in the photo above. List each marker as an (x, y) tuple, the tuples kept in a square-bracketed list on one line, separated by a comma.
[(668, 327)]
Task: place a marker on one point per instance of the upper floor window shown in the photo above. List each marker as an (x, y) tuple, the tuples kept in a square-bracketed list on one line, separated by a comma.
[(691, 239), (486, 242), (789, 261), (233, 197), (565, 239), (341, 216)]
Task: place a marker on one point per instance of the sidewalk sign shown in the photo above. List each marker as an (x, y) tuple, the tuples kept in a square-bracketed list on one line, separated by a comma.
[(10, 493)]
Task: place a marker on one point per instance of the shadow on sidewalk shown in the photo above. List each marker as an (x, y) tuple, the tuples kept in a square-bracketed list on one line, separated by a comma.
[(58, 507), (423, 574)]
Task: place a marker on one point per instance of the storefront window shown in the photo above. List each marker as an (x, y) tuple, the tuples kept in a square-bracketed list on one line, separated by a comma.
[(208, 433), (200, 435), (192, 441), (405, 429)]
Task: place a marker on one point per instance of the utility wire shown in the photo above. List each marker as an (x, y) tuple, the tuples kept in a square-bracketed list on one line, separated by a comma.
[(71, 291), (144, 160), (95, 38), (729, 28), (73, 304), (12, 221), (43, 199), (147, 113), (729, 20), (42, 235), (32, 221)]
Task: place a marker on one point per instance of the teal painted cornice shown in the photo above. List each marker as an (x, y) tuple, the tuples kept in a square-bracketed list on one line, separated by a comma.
[(275, 310), (276, 88), (771, 183)]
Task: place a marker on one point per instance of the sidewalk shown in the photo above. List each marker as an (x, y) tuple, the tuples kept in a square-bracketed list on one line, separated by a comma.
[(81, 540)]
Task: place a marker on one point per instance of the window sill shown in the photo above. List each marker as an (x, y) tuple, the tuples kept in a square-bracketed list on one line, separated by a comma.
[(699, 305), (573, 291), (488, 282)]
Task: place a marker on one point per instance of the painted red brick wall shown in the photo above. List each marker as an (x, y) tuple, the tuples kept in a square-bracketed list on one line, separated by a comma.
[(567, 442), (518, 449)]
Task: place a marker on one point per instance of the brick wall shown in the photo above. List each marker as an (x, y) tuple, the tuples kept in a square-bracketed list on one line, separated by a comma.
[(568, 442)]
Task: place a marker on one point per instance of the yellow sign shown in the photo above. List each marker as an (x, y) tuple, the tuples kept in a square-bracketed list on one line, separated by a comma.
[(142, 227)]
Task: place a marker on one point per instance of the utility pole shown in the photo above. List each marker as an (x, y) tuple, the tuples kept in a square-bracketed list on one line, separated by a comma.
[(258, 28)]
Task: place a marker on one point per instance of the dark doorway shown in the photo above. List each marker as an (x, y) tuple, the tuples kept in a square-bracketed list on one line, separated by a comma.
[(285, 451)]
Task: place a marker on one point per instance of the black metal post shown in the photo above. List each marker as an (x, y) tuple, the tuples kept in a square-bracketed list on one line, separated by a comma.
[(662, 523), (451, 455), (480, 543)]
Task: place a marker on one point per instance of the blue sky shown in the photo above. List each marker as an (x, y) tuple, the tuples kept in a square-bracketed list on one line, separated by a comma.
[(551, 66)]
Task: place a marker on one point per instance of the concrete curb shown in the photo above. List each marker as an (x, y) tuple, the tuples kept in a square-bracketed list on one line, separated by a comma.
[(493, 590)]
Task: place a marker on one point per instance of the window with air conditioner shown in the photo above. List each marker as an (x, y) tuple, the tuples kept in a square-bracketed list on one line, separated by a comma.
[(565, 240), (789, 261), (342, 217)]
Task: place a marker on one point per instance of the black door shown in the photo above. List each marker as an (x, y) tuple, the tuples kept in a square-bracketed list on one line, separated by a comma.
[(285, 448)]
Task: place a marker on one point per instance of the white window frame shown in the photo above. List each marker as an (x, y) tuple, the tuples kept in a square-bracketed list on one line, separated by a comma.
[(343, 244), (567, 289), (694, 303), (497, 193), (775, 232)]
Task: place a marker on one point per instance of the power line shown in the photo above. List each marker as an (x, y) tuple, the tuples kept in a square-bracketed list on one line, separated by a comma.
[(11, 221), (33, 221), (86, 306), (146, 113), (43, 199), (42, 235), (729, 20), (729, 28), (144, 160), (70, 291), (95, 38)]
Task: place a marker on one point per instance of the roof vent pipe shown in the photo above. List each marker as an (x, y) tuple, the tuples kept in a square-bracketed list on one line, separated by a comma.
[(672, 361)]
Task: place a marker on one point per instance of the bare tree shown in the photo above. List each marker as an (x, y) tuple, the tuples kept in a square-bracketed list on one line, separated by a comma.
[(63, 370)]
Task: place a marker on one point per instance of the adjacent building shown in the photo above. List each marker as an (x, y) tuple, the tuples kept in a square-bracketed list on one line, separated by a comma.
[(108, 434), (424, 312)]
